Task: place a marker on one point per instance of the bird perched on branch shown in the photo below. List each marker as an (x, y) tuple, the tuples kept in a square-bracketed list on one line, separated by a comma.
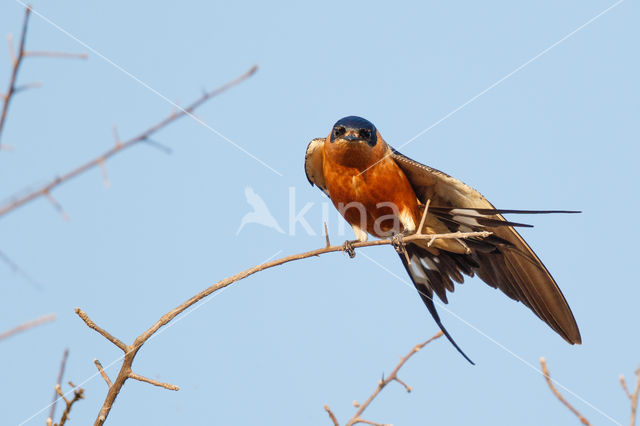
[(385, 194)]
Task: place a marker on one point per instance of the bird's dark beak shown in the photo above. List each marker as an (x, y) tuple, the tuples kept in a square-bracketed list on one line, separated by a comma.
[(352, 138)]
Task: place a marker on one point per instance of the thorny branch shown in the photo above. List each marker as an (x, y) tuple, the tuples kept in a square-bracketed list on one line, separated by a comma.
[(17, 59), (45, 190), (130, 351), (78, 394), (633, 397), (547, 377), (27, 325), (357, 417)]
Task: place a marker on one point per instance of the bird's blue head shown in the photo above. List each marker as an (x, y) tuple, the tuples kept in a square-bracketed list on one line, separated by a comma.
[(355, 129)]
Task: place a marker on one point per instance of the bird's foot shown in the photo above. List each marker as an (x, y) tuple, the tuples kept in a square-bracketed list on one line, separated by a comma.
[(348, 248), (398, 241)]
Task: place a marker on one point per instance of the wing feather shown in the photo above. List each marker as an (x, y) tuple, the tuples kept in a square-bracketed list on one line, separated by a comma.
[(504, 260)]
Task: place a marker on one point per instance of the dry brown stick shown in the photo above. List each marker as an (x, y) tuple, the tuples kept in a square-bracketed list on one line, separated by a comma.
[(131, 350), (27, 325), (357, 417), (102, 372), (547, 377), (63, 364), (633, 397), (45, 190)]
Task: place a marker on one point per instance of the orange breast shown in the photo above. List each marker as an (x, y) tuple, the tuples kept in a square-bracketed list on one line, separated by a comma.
[(378, 199)]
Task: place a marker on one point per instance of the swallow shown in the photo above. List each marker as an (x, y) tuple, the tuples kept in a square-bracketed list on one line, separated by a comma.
[(382, 193)]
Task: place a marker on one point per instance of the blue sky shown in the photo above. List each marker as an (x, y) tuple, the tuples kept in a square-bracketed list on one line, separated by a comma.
[(560, 133)]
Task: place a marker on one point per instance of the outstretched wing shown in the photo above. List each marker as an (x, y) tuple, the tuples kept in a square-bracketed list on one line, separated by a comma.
[(503, 260), (313, 164)]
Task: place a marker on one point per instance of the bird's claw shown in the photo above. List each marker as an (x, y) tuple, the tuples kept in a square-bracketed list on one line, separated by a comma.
[(398, 242), (347, 247)]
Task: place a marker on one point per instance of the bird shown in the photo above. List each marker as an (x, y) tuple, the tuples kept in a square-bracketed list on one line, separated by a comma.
[(383, 193)]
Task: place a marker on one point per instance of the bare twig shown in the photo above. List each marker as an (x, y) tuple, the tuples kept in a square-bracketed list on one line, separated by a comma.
[(52, 54), (63, 364), (78, 394), (27, 325), (331, 415), (102, 372), (357, 417), (547, 377), (131, 350), (153, 382), (46, 189), (633, 397), (95, 327), (16, 61)]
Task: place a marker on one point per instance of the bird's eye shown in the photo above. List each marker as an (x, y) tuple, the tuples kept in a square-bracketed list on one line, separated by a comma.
[(339, 131), (364, 133)]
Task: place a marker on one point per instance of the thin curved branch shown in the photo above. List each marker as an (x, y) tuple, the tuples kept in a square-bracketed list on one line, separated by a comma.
[(547, 377), (131, 351), (45, 190)]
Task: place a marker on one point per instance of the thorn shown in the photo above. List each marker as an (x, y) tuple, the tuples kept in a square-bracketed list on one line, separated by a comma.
[(12, 52), (158, 146), (424, 217), (355, 403), (116, 136), (52, 54), (57, 206), (326, 234), (27, 86), (105, 176)]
